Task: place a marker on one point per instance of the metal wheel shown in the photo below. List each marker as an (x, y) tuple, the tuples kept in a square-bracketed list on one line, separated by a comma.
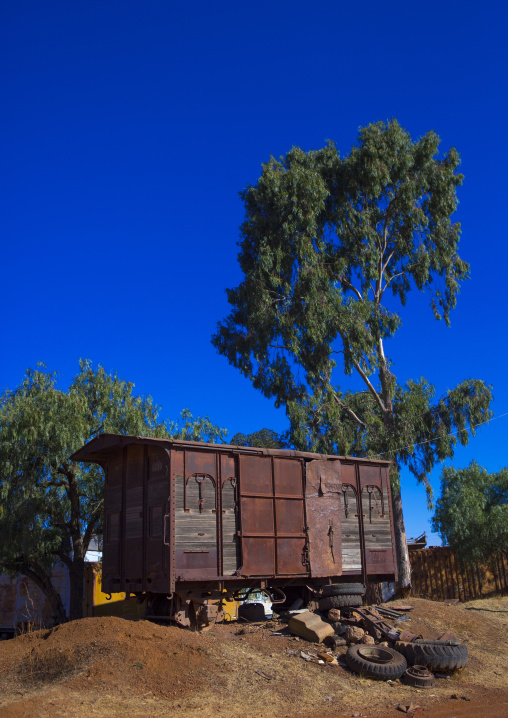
[(418, 676)]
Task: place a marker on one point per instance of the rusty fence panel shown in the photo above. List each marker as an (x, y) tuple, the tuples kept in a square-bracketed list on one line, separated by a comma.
[(437, 574)]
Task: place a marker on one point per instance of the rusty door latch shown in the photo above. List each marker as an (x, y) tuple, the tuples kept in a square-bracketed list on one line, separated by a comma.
[(330, 539)]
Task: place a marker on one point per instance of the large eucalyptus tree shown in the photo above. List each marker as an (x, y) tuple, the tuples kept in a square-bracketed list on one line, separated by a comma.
[(330, 249)]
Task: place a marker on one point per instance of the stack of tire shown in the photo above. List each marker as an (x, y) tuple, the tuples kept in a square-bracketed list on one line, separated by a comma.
[(341, 595), (434, 655), (391, 663)]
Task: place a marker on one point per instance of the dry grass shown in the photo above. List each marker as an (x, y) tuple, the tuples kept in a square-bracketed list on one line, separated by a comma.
[(111, 667)]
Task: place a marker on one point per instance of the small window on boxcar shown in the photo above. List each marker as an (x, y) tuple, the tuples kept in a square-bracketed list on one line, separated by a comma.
[(113, 528), (155, 521), (200, 494)]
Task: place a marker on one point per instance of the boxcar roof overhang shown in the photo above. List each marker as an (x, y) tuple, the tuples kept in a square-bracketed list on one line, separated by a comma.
[(98, 449)]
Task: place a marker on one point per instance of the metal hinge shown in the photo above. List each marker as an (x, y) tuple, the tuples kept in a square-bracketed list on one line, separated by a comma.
[(305, 555)]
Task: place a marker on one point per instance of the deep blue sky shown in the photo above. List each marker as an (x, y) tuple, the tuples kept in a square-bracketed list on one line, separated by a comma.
[(127, 131)]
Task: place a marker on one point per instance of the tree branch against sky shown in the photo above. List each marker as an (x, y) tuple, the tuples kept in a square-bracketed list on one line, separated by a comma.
[(50, 507), (330, 251)]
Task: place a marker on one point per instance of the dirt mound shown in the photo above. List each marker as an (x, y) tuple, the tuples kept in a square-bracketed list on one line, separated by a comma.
[(110, 667), (139, 657)]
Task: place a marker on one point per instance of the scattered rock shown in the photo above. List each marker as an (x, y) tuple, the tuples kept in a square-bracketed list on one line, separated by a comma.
[(334, 615), (339, 628), (367, 639), (353, 634)]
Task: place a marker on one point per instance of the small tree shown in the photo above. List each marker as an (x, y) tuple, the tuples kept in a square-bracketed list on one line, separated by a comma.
[(264, 439), (51, 506), (330, 250), (472, 513)]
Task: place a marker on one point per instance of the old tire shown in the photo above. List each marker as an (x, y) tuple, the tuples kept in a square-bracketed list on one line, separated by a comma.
[(381, 663), (435, 656), (342, 601), (343, 589)]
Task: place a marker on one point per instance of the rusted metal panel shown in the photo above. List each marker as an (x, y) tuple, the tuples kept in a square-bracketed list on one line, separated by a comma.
[(256, 475), (257, 516), (292, 556), (288, 478), (322, 496), (258, 556), (290, 517), (272, 516), (201, 462)]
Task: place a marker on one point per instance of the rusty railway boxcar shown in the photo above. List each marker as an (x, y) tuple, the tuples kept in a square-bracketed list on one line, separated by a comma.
[(186, 523)]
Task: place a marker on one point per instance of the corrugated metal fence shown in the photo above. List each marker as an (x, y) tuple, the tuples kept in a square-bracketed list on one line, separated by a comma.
[(437, 574)]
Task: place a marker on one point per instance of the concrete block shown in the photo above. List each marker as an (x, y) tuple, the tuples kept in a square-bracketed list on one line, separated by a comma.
[(310, 627)]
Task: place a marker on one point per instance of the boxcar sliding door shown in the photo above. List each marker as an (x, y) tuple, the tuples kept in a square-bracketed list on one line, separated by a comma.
[(272, 518)]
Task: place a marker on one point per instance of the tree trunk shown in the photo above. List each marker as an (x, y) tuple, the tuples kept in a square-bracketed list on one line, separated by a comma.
[(403, 565), (77, 578)]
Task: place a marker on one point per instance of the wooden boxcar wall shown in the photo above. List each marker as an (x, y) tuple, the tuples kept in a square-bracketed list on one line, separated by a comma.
[(188, 514), (205, 528), (137, 500)]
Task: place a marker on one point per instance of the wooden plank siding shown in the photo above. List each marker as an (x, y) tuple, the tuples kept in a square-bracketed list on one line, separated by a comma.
[(351, 546), (437, 574)]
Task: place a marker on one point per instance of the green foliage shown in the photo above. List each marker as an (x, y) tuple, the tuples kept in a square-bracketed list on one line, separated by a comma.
[(199, 429), (264, 439), (49, 505), (472, 513), (330, 250)]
